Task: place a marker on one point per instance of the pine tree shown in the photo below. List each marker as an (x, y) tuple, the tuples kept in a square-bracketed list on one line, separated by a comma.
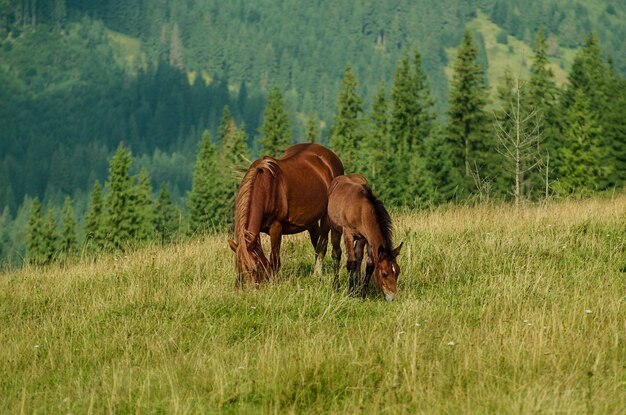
[(94, 219), (346, 133), (235, 156), (447, 182), (580, 170), (224, 126), (121, 214), (592, 76), (35, 244), (203, 200), (144, 207), (68, 238), (468, 133), (312, 129), (276, 133), (376, 145), (50, 238), (166, 219), (614, 130), (543, 96)]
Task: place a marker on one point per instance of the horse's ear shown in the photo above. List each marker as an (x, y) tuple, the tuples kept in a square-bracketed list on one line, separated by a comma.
[(396, 251), (233, 245)]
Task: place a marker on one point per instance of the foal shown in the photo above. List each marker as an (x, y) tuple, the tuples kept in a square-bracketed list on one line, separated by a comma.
[(354, 211)]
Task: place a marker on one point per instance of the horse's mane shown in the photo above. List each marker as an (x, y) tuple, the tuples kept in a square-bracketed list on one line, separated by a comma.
[(383, 218), (242, 204)]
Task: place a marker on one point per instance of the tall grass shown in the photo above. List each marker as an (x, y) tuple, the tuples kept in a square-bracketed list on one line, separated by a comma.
[(498, 312)]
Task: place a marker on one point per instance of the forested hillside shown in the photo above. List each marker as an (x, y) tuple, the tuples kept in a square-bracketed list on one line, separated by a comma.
[(78, 78)]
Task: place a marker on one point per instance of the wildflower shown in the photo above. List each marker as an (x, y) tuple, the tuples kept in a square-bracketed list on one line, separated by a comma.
[(451, 344), (587, 311)]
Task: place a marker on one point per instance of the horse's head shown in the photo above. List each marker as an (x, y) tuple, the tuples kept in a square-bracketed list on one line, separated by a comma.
[(387, 272), (250, 262)]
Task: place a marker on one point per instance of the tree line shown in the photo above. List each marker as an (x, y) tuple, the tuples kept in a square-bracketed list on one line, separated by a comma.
[(535, 140)]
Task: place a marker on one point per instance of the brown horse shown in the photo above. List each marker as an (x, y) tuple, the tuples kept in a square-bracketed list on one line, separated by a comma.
[(278, 197), (354, 211)]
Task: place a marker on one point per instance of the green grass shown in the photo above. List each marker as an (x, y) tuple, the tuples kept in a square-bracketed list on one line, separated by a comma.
[(499, 312)]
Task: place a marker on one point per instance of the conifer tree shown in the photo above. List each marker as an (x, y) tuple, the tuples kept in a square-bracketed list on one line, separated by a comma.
[(543, 96), (376, 145), (166, 219), (50, 238), (204, 198), (94, 219), (614, 130), (5, 223), (68, 237), (144, 207), (224, 126), (580, 170), (312, 129), (121, 214), (276, 133), (468, 134), (235, 156), (35, 244), (447, 182), (346, 133)]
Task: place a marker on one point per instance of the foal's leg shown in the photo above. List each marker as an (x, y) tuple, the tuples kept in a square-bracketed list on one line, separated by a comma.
[(335, 239), (369, 270), (322, 244), (348, 240), (276, 230), (359, 247)]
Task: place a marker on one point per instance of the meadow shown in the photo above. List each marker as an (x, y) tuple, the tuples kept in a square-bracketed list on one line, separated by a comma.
[(499, 311)]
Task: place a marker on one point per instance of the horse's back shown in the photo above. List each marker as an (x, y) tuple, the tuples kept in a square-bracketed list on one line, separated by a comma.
[(347, 196), (306, 173)]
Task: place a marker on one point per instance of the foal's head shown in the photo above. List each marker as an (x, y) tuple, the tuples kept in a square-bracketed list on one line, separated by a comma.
[(387, 272)]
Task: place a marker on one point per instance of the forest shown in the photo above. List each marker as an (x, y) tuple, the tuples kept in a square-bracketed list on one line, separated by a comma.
[(106, 106)]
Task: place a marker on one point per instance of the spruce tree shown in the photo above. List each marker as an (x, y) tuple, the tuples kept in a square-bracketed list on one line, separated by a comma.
[(376, 145), (312, 132), (35, 244), (543, 95), (580, 169), (468, 134), (346, 134), (94, 219), (121, 214), (204, 198), (614, 130), (144, 207), (50, 238), (467, 120), (224, 126), (166, 219), (235, 158), (276, 133), (68, 238), (447, 182)]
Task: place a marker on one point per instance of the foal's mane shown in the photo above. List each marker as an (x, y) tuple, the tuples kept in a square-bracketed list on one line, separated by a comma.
[(382, 217)]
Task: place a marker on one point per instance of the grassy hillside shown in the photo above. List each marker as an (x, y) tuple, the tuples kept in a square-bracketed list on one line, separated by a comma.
[(514, 55), (499, 311)]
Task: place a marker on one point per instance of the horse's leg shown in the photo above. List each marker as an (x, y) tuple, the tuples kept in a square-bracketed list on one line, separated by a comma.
[(348, 240), (276, 232), (314, 233), (335, 240), (369, 270), (359, 247), (322, 245)]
